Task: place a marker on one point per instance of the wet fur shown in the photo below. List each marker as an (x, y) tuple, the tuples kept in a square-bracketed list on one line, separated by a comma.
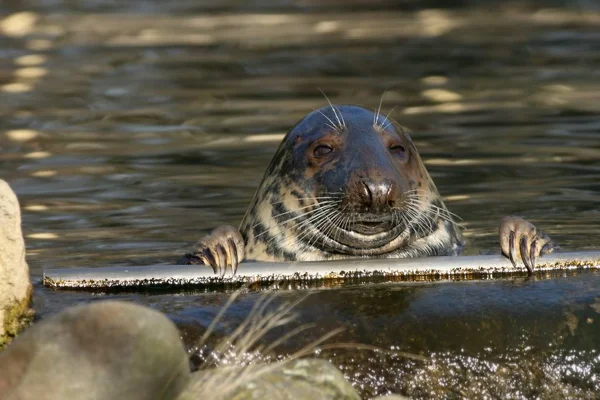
[(278, 224)]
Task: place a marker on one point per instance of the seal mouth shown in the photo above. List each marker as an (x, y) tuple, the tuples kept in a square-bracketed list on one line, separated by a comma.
[(362, 233), (370, 224), (338, 229)]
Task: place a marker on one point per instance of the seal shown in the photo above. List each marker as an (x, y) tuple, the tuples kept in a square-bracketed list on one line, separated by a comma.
[(347, 182)]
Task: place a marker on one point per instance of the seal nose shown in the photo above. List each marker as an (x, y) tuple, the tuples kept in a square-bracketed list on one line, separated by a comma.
[(378, 195)]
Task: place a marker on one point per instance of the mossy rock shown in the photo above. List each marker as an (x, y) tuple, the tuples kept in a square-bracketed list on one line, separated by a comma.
[(15, 286), (304, 379), (104, 350)]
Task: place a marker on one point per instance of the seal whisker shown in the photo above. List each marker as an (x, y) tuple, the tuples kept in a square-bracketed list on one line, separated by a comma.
[(302, 208), (444, 217), (337, 232), (386, 119), (396, 218), (403, 218), (318, 226), (341, 122), (425, 216), (440, 214), (280, 224), (320, 223), (306, 199), (349, 221), (295, 210), (417, 219), (345, 219), (336, 195), (414, 194), (414, 217), (306, 223), (318, 208), (429, 221), (342, 117), (315, 200), (427, 207), (415, 197), (330, 224), (331, 124), (376, 116), (306, 229), (296, 241), (334, 222), (446, 212)]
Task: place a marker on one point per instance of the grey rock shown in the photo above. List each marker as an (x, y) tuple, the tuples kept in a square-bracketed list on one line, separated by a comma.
[(304, 379), (15, 286), (104, 350), (390, 397)]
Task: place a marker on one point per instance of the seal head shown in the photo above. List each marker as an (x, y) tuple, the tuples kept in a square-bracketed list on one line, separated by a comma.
[(347, 182)]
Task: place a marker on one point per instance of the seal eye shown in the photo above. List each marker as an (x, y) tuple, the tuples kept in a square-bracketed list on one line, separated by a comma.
[(322, 150), (398, 149)]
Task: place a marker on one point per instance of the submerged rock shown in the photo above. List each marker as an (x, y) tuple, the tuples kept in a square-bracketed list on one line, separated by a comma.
[(304, 379), (15, 286), (104, 350)]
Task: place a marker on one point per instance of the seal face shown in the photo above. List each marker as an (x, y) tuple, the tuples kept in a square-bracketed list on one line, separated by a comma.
[(347, 182)]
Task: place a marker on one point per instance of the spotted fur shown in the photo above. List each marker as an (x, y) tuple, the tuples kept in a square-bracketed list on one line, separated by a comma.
[(290, 219)]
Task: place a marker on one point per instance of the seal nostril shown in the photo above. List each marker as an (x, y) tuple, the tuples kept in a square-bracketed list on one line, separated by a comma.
[(391, 195), (377, 195), (367, 194)]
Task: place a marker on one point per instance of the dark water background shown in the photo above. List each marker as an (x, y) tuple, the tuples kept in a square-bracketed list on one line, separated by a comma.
[(131, 129)]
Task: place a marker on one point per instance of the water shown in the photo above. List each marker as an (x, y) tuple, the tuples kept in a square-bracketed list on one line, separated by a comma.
[(130, 130)]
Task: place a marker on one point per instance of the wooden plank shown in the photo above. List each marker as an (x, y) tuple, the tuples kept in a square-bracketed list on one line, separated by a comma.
[(300, 274)]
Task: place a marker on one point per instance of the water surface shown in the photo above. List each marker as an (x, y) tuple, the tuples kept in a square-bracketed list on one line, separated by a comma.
[(131, 130)]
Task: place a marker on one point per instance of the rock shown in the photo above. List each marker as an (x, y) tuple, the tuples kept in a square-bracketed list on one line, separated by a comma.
[(104, 350), (15, 286), (390, 397), (304, 379)]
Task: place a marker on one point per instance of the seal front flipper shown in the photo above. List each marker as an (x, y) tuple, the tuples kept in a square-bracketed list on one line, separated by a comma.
[(222, 249), (520, 239)]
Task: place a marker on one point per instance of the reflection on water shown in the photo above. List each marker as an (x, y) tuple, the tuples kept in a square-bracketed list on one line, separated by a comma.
[(129, 130)]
